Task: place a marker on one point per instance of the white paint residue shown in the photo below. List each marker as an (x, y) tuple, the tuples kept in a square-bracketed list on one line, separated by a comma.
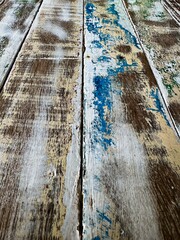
[(58, 54), (123, 165), (56, 30), (129, 179), (65, 14), (71, 195), (32, 178), (177, 78), (156, 12), (35, 159), (124, 20), (14, 36)]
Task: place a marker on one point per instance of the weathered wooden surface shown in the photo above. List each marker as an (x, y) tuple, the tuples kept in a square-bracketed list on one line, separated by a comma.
[(131, 184), (173, 7), (16, 17), (40, 109), (160, 37), (109, 170)]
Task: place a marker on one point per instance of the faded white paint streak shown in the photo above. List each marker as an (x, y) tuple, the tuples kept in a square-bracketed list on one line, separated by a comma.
[(128, 177), (14, 36), (72, 177)]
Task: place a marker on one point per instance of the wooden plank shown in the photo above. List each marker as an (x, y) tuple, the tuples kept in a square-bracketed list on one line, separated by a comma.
[(16, 17), (40, 129), (160, 37), (173, 7), (131, 183)]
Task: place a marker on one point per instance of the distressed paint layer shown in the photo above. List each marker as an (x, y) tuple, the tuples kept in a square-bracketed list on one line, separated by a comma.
[(40, 129), (173, 7), (160, 36), (127, 135), (15, 20)]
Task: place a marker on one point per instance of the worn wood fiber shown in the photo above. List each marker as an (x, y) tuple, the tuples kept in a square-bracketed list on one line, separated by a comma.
[(16, 17), (40, 109), (131, 153), (160, 36), (88, 149)]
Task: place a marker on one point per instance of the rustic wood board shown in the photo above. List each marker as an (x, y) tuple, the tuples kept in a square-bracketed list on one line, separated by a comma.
[(173, 7), (16, 17), (131, 182), (128, 166), (160, 36), (40, 109)]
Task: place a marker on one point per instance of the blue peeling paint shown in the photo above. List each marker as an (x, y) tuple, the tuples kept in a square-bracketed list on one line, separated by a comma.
[(97, 183), (96, 238), (93, 25), (104, 59), (106, 21), (122, 67), (102, 85), (90, 8), (102, 216), (104, 40), (132, 39), (96, 44), (159, 107), (102, 100), (105, 222)]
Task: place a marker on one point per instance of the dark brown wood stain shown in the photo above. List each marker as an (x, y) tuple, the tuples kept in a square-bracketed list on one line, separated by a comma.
[(147, 70), (136, 114), (167, 40), (174, 108), (165, 185), (123, 49)]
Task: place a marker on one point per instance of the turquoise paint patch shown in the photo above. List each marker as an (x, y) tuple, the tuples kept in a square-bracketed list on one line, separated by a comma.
[(92, 26), (129, 36), (96, 44), (106, 21), (102, 216), (102, 126), (104, 59), (103, 84), (96, 238), (159, 107), (102, 100), (90, 8)]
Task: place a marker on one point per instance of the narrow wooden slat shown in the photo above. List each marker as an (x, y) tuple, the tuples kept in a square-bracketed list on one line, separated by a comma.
[(40, 109), (173, 7), (131, 153), (160, 37), (16, 17)]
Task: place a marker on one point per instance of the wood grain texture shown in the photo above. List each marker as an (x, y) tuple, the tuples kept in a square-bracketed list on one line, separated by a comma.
[(40, 109), (173, 7), (131, 152), (109, 170), (16, 17), (160, 36)]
